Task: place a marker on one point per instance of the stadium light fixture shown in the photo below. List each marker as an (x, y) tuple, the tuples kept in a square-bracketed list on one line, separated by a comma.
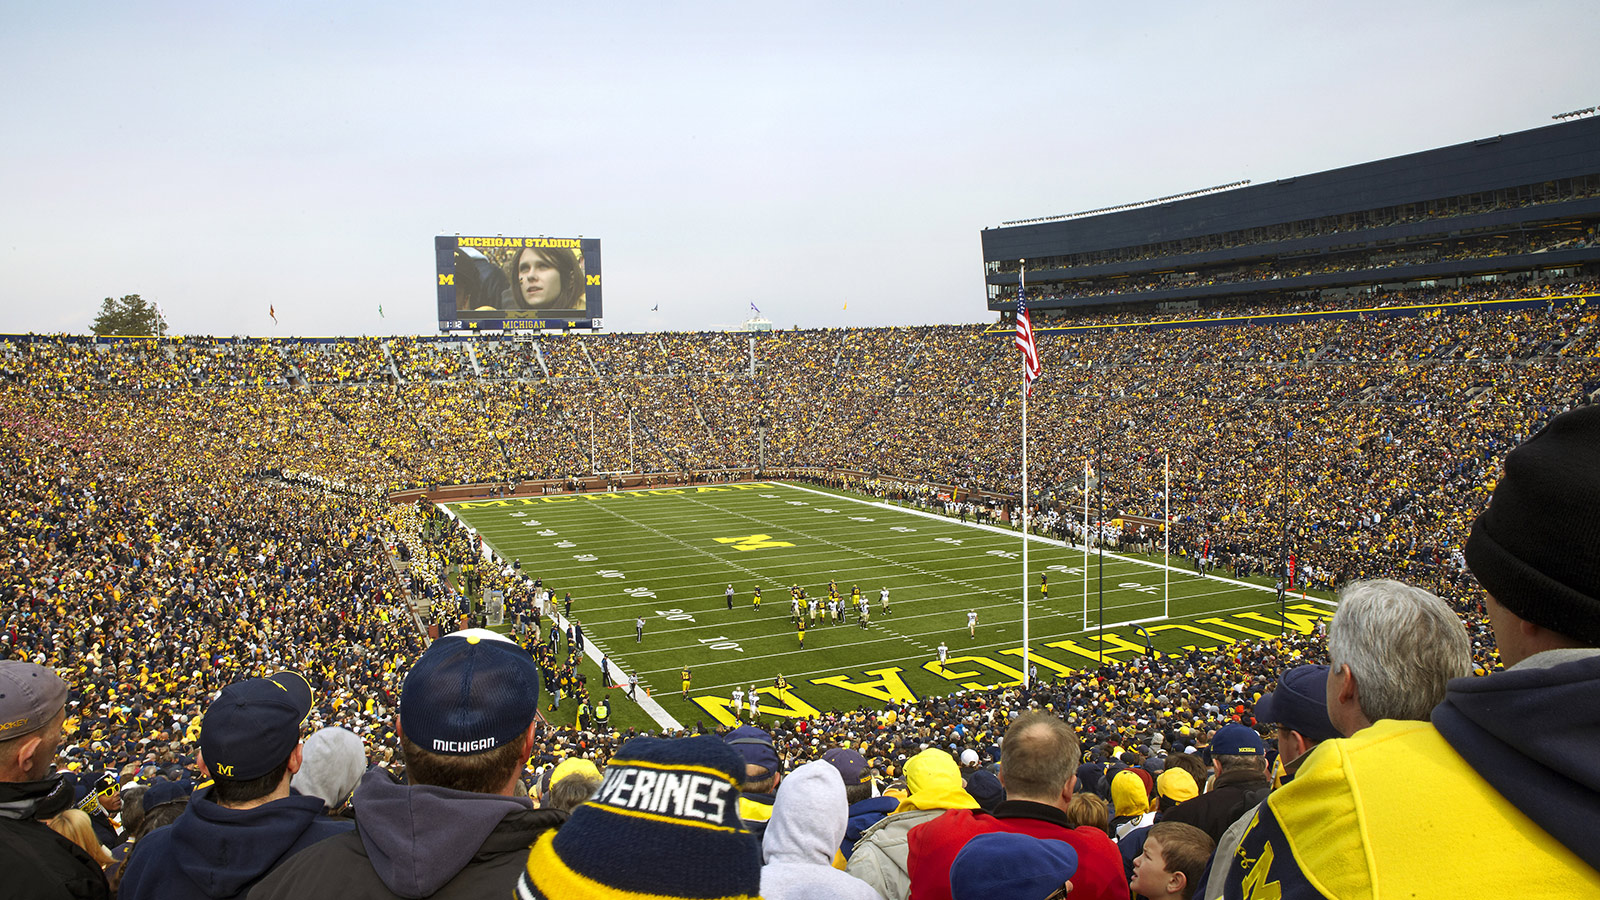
[(1576, 114)]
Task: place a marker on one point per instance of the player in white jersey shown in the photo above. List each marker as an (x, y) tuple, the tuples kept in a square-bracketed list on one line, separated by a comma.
[(972, 622), (738, 703)]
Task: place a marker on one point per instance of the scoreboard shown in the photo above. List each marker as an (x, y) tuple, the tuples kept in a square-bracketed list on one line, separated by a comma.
[(517, 283)]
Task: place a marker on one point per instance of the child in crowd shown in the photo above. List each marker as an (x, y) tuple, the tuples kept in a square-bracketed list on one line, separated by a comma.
[(1174, 858)]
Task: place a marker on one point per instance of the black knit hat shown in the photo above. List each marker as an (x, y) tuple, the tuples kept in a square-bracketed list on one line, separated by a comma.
[(1536, 548), (663, 823)]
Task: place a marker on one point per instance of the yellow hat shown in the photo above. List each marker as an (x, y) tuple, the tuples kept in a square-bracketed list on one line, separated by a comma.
[(1176, 784), (1127, 794), (574, 765), (933, 781)]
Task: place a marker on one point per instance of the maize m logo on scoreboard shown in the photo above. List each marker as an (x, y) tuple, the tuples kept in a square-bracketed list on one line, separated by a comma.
[(498, 283)]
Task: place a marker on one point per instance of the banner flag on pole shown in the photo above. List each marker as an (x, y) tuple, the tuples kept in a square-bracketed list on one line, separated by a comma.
[(1024, 341)]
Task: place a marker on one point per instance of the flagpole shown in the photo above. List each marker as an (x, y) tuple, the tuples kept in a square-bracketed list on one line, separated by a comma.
[(1023, 284), (1166, 533), (1085, 543)]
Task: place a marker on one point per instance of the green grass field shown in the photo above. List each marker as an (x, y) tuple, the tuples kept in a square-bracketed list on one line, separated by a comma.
[(668, 556)]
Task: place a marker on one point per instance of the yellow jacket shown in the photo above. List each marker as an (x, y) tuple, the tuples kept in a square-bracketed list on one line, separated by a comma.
[(1395, 812)]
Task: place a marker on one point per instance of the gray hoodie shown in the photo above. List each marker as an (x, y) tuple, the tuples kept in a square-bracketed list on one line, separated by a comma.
[(416, 841), (808, 821)]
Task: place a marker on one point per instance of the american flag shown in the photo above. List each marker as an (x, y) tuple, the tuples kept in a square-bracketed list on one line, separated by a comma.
[(1024, 341)]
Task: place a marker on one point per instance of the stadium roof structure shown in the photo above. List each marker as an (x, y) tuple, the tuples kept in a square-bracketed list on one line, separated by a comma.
[(1522, 202)]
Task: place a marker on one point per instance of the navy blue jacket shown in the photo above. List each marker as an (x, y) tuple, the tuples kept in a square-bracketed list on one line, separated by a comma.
[(212, 853), (864, 815)]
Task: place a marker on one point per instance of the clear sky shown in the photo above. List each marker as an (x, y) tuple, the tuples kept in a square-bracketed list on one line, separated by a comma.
[(221, 158)]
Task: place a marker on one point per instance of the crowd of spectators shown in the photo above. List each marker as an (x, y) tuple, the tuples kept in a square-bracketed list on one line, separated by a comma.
[(1243, 306), (1357, 445), (1487, 247), (184, 514), (1441, 211)]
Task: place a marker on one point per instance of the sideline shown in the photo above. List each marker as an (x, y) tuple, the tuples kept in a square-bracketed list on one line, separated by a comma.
[(611, 674)]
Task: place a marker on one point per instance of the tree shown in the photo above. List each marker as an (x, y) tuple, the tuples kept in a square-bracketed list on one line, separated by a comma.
[(130, 315)]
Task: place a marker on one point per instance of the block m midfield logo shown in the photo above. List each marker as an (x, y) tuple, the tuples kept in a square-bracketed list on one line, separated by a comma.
[(753, 542)]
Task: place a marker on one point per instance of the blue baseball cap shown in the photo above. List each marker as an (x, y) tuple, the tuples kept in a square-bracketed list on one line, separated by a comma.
[(755, 745), (165, 791), (253, 725), (1006, 864), (1300, 703), (1238, 740), (852, 766), (470, 691)]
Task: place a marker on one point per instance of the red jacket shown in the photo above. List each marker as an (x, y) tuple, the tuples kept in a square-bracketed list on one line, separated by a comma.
[(933, 847)]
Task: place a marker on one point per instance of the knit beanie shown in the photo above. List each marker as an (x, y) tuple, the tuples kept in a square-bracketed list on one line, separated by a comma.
[(1536, 548), (332, 763), (664, 823)]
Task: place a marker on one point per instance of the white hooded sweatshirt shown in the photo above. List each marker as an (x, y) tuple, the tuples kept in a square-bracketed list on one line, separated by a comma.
[(808, 822)]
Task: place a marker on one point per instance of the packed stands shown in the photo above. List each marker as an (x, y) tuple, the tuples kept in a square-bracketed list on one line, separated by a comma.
[(220, 500)]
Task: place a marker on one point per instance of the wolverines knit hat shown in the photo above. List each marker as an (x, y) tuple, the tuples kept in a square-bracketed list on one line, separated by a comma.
[(664, 823), (1536, 548)]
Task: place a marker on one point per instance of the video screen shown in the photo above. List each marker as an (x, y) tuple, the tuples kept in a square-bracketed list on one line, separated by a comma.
[(511, 283)]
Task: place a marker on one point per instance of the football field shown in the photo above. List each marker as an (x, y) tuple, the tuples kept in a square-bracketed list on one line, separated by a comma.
[(668, 555)]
